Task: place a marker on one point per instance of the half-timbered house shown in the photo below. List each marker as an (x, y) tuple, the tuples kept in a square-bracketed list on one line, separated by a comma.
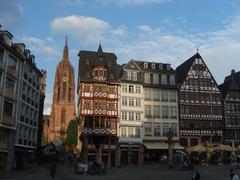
[(200, 108), (98, 105)]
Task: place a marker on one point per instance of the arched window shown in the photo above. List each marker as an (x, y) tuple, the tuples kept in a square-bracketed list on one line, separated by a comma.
[(64, 90), (58, 93), (69, 94)]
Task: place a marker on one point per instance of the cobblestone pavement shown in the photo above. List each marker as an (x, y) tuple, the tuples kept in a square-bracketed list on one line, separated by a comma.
[(144, 172)]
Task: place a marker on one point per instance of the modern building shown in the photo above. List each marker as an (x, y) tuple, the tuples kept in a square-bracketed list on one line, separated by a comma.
[(98, 105), (11, 60), (28, 115), (132, 115), (200, 106), (63, 104), (230, 90), (160, 109)]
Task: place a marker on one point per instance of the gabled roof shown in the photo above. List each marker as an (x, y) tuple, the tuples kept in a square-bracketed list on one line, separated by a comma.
[(183, 69)]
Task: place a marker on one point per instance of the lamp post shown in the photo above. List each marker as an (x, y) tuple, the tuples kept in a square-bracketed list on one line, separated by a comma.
[(170, 147)]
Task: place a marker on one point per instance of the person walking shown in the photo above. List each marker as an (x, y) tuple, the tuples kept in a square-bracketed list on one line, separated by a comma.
[(53, 168), (196, 175), (235, 177)]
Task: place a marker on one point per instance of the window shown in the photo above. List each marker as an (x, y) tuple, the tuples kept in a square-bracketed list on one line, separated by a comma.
[(153, 66), (137, 116), (173, 112), (1, 55), (156, 111), (145, 65), (164, 79), (10, 84), (147, 78), (131, 102), (134, 77), (174, 129), (124, 116), (147, 94), (172, 80), (138, 89), (165, 129), (168, 66), (124, 88), (164, 111), (138, 102), (129, 74), (123, 131), (156, 95), (8, 108), (12, 63), (160, 66), (124, 101), (164, 95), (148, 111), (137, 132), (131, 89), (147, 129), (155, 79), (131, 116), (157, 129), (172, 96)]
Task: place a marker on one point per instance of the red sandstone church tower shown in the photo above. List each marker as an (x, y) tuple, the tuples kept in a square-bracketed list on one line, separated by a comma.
[(63, 105)]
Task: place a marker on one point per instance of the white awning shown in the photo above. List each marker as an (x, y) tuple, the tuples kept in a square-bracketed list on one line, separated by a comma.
[(161, 145)]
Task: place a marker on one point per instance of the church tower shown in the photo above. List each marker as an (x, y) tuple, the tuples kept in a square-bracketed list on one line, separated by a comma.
[(63, 104)]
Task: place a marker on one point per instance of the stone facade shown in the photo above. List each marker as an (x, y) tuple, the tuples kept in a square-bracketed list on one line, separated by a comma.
[(63, 105)]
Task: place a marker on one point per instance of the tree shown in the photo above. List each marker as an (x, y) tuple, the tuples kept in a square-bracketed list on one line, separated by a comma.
[(72, 133)]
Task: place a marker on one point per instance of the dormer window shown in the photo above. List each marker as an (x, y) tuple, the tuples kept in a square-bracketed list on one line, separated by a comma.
[(168, 66), (109, 64), (100, 73), (100, 58), (153, 66), (111, 76), (145, 65), (160, 66)]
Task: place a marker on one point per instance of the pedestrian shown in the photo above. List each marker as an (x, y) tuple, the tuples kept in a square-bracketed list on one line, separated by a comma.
[(196, 175), (53, 168), (235, 177), (231, 174)]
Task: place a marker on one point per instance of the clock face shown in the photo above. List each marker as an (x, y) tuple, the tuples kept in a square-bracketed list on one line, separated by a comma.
[(64, 79)]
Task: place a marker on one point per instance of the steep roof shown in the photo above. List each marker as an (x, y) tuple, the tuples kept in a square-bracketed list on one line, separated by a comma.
[(183, 69), (89, 59), (230, 84)]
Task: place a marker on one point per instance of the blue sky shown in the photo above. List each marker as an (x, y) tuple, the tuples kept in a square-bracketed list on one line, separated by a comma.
[(154, 30)]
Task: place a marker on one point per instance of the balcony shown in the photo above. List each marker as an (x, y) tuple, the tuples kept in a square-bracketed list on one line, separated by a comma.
[(9, 92), (8, 120), (99, 131), (12, 72)]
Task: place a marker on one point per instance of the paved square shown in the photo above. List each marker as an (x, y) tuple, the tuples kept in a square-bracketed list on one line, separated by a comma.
[(144, 172)]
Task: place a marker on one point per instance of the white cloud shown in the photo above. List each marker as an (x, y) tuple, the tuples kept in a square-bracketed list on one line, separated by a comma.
[(47, 104), (40, 46), (134, 2), (83, 28), (219, 48)]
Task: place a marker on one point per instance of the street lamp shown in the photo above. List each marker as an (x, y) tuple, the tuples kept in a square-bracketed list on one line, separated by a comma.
[(170, 146)]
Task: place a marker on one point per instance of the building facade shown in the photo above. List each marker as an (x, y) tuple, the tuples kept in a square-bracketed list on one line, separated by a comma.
[(98, 105), (160, 109), (200, 107), (11, 61), (28, 115), (63, 103), (230, 90), (131, 108)]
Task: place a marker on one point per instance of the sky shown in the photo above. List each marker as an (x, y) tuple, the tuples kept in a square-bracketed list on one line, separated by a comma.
[(167, 31)]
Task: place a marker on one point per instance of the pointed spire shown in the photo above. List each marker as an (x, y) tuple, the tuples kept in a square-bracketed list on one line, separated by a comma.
[(100, 51), (65, 50)]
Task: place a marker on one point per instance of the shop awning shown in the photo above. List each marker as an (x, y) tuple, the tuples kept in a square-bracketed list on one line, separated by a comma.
[(161, 145)]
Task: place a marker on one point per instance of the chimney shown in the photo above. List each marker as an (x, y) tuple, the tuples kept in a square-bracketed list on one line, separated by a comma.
[(233, 71)]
